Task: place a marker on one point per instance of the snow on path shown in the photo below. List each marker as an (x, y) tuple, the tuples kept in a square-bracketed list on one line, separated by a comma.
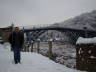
[(31, 62)]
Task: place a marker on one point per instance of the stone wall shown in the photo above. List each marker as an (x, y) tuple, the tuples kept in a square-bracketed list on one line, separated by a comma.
[(86, 57)]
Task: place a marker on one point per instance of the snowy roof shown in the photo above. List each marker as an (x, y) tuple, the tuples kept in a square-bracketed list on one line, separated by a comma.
[(82, 40)]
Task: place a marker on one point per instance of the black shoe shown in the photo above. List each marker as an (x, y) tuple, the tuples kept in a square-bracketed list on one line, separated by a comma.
[(16, 62), (19, 62)]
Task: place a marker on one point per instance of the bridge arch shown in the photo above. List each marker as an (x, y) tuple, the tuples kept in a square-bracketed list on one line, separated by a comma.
[(73, 34)]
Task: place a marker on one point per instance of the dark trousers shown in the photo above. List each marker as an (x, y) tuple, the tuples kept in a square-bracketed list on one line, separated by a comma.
[(17, 54)]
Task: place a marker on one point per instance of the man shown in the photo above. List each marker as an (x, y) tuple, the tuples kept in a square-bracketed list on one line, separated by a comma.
[(16, 40)]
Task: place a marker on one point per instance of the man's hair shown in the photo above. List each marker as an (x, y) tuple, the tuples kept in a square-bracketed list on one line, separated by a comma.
[(16, 27)]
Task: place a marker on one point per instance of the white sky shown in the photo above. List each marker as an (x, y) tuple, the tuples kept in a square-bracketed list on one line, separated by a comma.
[(37, 12)]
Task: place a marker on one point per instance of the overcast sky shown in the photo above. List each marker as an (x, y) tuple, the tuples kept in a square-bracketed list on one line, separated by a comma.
[(37, 12)]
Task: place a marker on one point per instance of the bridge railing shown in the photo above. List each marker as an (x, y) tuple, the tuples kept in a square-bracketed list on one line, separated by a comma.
[(35, 26)]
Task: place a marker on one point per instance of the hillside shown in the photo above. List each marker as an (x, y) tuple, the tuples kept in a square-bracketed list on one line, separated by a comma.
[(79, 22)]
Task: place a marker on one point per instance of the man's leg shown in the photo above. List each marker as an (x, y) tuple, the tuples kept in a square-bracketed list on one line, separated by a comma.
[(19, 56), (15, 56)]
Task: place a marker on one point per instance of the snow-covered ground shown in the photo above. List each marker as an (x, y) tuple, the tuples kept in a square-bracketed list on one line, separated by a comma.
[(31, 62)]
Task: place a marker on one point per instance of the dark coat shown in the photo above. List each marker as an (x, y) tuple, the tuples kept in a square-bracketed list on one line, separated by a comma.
[(16, 39)]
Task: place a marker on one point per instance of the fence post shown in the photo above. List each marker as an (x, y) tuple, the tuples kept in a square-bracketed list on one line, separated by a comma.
[(50, 49), (24, 47), (28, 48), (38, 45), (32, 46)]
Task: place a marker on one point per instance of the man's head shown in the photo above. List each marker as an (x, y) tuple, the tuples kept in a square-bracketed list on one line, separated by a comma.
[(17, 29)]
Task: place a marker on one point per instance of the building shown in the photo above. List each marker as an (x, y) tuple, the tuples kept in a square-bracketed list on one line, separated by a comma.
[(4, 32)]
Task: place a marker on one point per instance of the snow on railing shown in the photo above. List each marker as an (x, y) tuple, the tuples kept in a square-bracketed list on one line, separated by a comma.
[(35, 26)]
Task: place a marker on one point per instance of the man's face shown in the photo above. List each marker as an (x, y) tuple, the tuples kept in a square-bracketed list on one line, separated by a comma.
[(17, 29)]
